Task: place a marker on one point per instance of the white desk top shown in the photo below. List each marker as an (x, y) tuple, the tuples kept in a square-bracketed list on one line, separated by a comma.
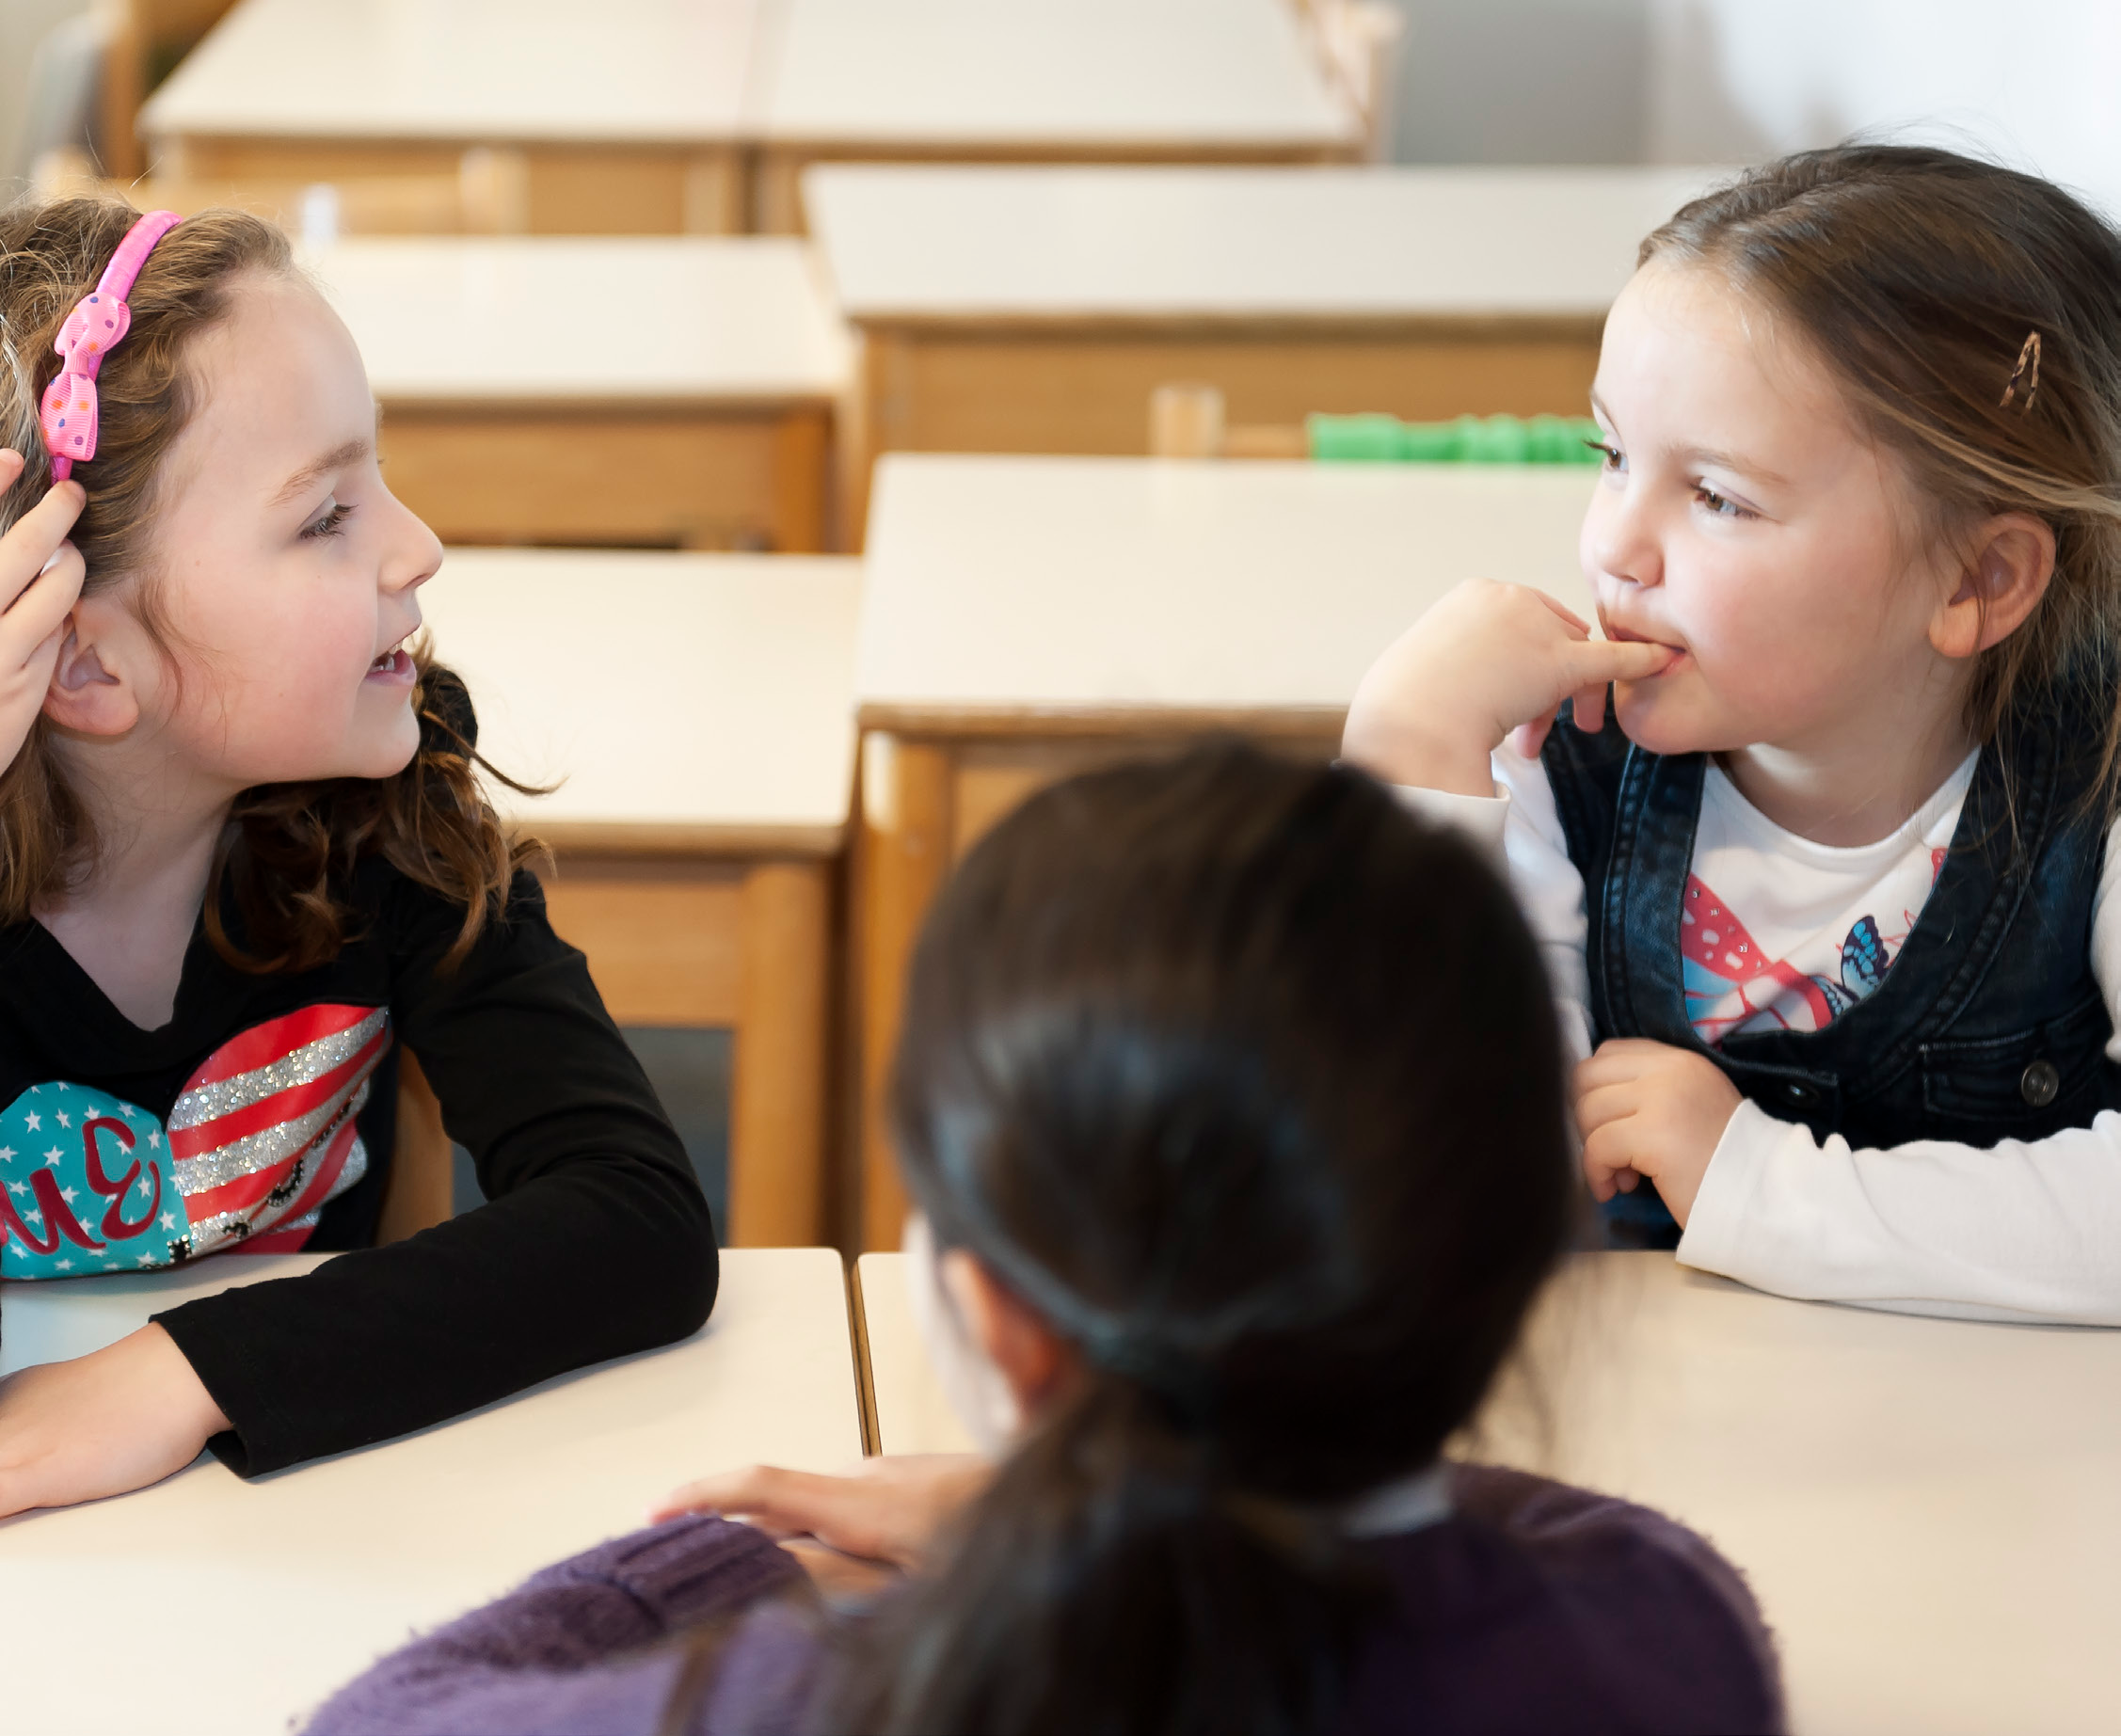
[(708, 694), (620, 71), (1038, 243), (1111, 73), (114, 1613), (1002, 587), (486, 320), (1926, 1509)]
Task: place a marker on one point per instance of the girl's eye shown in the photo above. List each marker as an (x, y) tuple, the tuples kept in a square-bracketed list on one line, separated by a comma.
[(1719, 505), (334, 517), (1614, 459)]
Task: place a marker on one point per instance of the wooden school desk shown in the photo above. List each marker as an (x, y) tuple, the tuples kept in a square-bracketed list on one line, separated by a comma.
[(1132, 81), (1027, 617), (1926, 1509), (1036, 308), (622, 118), (661, 392), (206, 1604), (699, 709)]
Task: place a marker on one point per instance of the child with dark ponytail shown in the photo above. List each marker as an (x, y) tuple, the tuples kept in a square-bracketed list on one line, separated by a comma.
[(1231, 1098)]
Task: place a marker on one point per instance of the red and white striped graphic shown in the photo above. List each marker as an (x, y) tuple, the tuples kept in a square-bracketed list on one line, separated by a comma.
[(263, 1133)]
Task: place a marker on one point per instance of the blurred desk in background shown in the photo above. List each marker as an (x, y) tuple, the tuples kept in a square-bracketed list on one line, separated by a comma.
[(699, 709), (1129, 81), (649, 391), (1035, 308), (304, 1578), (620, 118), (1926, 1509), (1029, 617)]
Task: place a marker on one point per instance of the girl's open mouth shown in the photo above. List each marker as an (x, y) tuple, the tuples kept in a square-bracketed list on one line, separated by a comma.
[(393, 668)]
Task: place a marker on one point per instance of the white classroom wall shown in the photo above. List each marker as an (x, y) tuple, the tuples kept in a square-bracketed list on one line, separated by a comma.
[(2037, 82), (23, 24)]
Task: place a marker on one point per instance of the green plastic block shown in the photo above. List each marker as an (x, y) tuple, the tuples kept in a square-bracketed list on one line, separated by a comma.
[(1469, 440)]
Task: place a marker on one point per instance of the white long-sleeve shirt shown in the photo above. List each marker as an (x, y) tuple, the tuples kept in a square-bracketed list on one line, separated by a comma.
[(2024, 1229)]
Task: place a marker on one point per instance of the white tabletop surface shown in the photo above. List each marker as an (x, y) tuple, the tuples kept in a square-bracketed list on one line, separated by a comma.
[(212, 1605), (656, 319), (621, 70), (1928, 1510), (668, 689), (1035, 242), (1016, 584), (1174, 74)]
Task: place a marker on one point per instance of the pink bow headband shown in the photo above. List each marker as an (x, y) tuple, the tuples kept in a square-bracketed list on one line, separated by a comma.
[(68, 410)]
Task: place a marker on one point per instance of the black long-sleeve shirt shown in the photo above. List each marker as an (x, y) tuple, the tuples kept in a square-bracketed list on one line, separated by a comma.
[(264, 1114)]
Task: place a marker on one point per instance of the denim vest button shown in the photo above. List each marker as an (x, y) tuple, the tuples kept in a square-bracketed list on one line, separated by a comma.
[(2041, 1083)]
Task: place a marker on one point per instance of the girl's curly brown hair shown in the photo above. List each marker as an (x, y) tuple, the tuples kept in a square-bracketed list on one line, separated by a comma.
[(286, 858)]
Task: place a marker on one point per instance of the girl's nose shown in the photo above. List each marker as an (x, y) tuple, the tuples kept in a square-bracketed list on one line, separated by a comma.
[(415, 557), (1620, 539)]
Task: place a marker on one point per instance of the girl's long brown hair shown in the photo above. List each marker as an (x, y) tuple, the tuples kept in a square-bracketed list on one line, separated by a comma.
[(1919, 275), (290, 848)]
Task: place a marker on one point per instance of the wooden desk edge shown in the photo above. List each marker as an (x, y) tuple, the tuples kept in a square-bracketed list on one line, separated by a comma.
[(865, 1369), (1208, 325), (736, 843), (1090, 721), (877, 145), (763, 401), (160, 134)]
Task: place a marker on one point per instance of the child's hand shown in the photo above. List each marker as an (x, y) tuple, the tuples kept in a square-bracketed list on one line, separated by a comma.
[(40, 574), (1488, 659), (886, 1510), (1648, 1109), (100, 1425)]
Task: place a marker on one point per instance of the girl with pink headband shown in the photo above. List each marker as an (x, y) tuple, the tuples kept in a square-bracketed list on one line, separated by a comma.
[(247, 873)]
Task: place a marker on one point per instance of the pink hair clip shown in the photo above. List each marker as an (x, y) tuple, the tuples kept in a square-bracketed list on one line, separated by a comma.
[(68, 410)]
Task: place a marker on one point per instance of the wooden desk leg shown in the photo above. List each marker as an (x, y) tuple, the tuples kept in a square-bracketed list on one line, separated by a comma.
[(907, 846), (802, 455), (421, 1189), (777, 1114)]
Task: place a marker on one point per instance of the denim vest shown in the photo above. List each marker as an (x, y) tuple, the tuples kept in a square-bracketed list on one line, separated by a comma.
[(1988, 1025)]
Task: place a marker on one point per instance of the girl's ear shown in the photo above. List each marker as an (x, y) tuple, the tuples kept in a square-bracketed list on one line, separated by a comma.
[(2005, 575), (1035, 1360), (89, 692)]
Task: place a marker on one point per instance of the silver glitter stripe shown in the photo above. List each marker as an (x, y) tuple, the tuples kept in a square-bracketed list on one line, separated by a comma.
[(258, 1151), (313, 1060), (350, 1172)]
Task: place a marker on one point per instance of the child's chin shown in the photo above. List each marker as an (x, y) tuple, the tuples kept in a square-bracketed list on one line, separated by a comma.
[(1653, 720), (388, 755)]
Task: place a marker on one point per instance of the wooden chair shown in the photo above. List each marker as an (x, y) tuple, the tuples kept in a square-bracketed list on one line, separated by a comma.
[(421, 1190)]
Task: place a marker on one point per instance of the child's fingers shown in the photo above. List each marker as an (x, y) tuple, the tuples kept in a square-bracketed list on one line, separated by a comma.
[(1527, 739), (1593, 662), (845, 1512), (1603, 1105), (34, 537), (1590, 708), (40, 610), (1567, 613), (11, 462), (1608, 1156)]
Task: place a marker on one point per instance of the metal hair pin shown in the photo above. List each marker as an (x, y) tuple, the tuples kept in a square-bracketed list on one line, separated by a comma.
[(2028, 369)]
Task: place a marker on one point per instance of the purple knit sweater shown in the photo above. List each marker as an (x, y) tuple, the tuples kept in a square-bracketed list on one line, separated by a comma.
[(1533, 1608)]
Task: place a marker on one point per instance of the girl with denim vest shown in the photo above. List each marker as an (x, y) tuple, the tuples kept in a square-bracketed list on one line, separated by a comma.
[(1827, 901)]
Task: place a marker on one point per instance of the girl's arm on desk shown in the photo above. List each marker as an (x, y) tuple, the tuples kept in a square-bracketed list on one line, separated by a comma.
[(594, 1240)]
